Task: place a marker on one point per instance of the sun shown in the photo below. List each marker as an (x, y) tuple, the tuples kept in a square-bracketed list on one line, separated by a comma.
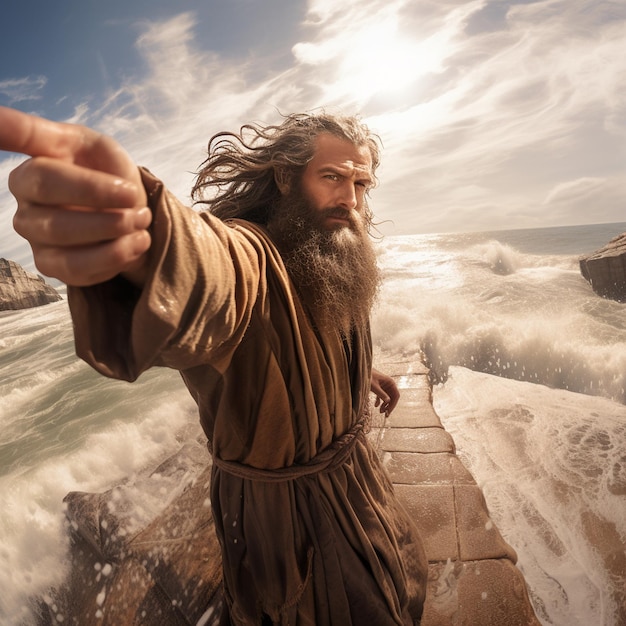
[(357, 59), (379, 60)]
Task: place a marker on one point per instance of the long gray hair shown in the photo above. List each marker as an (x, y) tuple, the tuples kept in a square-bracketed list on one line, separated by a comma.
[(238, 177)]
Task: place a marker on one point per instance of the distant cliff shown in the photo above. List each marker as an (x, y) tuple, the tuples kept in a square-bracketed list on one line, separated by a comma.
[(20, 289), (605, 269)]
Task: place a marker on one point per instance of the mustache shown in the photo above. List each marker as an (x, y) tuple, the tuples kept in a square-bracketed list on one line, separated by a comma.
[(354, 219)]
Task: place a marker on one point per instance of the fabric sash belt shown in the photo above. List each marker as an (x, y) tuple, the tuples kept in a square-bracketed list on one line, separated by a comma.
[(327, 460)]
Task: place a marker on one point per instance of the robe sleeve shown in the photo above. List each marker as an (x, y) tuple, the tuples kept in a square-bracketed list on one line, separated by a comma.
[(204, 280)]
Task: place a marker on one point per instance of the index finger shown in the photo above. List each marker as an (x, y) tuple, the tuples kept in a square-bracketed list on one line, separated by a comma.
[(36, 136)]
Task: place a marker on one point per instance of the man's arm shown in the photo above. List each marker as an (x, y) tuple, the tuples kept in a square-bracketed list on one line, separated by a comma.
[(81, 203)]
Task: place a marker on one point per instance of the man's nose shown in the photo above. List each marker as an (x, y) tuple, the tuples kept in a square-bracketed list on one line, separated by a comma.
[(348, 197)]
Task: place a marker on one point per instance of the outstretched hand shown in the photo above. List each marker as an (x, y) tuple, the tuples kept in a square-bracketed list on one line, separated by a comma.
[(386, 392), (80, 200)]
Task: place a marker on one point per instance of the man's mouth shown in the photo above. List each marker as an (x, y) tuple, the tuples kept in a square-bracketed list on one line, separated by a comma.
[(339, 221), (338, 218)]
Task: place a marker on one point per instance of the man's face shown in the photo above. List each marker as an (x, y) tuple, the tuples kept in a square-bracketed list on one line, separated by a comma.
[(319, 227), (334, 183)]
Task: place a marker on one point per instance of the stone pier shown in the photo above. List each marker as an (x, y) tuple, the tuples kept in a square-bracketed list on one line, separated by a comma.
[(127, 570), (473, 580)]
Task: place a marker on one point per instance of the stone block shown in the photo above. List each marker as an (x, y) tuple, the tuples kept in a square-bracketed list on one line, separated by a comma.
[(414, 382), (414, 411), (108, 521), (95, 518), (404, 370), (132, 597), (101, 593), (432, 508), (411, 468), (409, 366), (182, 554), (486, 593), (424, 440), (478, 536)]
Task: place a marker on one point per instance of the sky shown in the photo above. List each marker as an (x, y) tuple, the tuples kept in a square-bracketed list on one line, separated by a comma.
[(493, 114)]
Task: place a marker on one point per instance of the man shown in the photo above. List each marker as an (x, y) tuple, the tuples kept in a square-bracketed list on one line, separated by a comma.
[(262, 303)]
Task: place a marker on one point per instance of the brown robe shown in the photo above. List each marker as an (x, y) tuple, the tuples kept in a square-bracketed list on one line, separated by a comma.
[(310, 529)]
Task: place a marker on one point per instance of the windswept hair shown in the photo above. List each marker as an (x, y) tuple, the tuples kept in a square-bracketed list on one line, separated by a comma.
[(238, 178)]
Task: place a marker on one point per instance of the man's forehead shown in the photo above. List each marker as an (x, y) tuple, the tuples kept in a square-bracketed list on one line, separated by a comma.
[(332, 150)]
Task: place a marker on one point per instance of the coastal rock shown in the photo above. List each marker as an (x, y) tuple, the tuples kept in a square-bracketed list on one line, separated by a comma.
[(131, 568), (20, 289), (605, 269)]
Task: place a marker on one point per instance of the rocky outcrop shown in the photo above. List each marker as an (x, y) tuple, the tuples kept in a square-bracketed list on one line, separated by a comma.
[(20, 289), (126, 569), (167, 571), (605, 269)]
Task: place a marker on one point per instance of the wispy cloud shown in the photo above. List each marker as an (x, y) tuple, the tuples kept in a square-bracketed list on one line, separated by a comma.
[(587, 199), (522, 108), (165, 119), (18, 90)]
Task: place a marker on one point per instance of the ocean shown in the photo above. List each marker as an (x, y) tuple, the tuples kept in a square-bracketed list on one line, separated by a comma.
[(529, 369)]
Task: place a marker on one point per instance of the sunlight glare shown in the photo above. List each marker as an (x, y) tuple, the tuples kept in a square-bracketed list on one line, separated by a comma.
[(378, 59)]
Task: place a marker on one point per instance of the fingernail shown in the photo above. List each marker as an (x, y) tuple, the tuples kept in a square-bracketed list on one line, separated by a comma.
[(125, 190), (143, 218), (141, 242)]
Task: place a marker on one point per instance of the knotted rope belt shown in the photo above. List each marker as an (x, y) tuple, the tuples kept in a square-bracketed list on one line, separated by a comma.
[(327, 460)]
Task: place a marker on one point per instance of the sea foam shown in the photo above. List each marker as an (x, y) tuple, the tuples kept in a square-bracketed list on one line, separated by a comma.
[(551, 464)]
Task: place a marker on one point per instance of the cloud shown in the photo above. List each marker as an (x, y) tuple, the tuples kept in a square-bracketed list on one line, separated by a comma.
[(575, 190), (493, 114), (520, 109), (19, 90), (12, 246), (359, 55), (578, 199), (166, 119)]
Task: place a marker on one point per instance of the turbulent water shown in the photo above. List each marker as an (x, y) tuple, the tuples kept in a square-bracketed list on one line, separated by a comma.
[(530, 369)]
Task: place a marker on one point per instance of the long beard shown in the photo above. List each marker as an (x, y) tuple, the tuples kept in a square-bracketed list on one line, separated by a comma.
[(334, 271)]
